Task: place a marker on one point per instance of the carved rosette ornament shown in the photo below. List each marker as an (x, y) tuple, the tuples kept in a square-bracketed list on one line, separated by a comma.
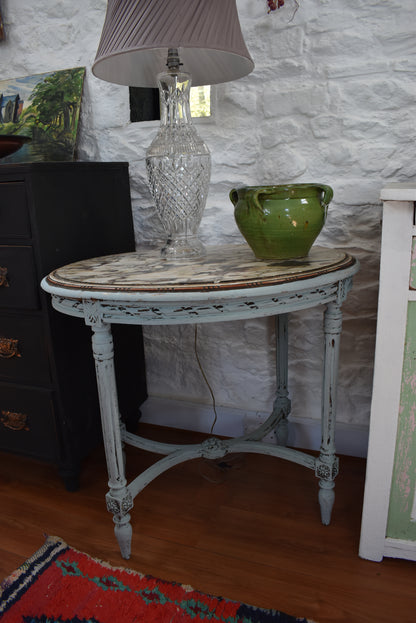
[(327, 471), (119, 506), (214, 448)]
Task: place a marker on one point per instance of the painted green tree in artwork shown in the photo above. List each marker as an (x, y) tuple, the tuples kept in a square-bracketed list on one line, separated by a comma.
[(56, 100), (46, 112)]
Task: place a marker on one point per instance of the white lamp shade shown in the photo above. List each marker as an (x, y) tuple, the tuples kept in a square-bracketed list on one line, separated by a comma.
[(137, 35)]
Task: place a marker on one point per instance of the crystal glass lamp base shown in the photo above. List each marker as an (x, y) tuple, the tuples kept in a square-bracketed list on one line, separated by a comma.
[(183, 248), (178, 166)]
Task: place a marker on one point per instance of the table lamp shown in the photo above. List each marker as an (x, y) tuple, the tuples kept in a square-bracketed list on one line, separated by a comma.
[(169, 44)]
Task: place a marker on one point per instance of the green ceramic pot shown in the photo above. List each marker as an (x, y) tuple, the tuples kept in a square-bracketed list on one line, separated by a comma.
[(281, 222)]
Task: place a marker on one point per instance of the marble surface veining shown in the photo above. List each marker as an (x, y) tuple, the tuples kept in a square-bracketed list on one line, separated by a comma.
[(224, 267)]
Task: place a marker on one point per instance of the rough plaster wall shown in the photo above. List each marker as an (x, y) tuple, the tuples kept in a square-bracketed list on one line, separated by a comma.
[(332, 99)]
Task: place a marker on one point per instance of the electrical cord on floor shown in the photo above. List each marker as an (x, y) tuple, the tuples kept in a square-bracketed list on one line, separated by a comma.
[(214, 470)]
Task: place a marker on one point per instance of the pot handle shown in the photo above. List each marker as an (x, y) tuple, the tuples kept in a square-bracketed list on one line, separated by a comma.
[(256, 193), (252, 196), (328, 193), (234, 196)]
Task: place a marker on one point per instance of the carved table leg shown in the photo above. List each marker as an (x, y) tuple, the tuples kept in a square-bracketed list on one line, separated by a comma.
[(119, 500), (326, 467), (282, 404)]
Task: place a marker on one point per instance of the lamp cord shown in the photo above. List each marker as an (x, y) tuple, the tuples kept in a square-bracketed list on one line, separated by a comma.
[(205, 379), (214, 470)]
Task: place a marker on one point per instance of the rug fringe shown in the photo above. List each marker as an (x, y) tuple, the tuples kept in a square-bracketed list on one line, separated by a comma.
[(19, 581)]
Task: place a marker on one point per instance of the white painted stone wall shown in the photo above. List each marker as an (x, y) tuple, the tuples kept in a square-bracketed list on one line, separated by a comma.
[(332, 99)]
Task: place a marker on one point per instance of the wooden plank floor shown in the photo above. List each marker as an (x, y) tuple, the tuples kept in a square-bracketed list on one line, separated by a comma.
[(255, 537)]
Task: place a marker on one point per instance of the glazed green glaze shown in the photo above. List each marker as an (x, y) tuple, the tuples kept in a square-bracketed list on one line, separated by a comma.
[(281, 222)]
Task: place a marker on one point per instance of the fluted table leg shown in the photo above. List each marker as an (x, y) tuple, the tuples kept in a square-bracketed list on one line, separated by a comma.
[(119, 500), (327, 463)]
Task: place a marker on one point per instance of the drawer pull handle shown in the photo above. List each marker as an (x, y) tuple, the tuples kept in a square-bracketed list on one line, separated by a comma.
[(9, 348), (3, 277), (14, 421)]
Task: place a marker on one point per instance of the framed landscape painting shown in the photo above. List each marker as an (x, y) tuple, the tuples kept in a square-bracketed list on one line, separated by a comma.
[(44, 108)]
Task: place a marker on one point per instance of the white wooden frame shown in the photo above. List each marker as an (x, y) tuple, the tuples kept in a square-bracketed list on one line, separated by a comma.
[(394, 294)]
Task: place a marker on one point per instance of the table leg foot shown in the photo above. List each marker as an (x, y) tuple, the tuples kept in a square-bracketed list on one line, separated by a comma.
[(123, 532), (120, 504), (326, 469), (326, 500)]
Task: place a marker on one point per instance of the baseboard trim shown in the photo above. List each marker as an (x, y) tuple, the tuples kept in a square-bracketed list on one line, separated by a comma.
[(351, 440), (399, 548)]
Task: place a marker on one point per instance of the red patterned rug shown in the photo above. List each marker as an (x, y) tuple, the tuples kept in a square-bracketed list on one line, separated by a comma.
[(61, 585)]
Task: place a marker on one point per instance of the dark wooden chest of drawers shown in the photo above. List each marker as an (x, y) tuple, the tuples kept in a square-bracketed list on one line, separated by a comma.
[(52, 214)]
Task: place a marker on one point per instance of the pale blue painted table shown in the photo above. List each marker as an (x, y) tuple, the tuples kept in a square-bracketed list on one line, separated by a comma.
[(229, 284)]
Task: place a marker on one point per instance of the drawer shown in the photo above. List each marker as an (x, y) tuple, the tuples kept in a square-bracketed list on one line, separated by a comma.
[(23, 350), (19, 287), (14, 213), (27, 422)]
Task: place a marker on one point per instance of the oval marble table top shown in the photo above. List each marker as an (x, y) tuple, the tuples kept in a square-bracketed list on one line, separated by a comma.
[(224, 267)]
